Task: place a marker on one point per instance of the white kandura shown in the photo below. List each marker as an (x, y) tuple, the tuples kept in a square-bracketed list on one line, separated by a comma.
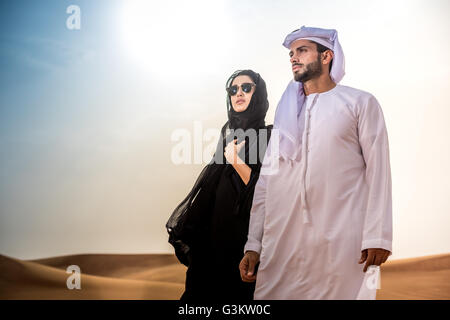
[(331, 196)]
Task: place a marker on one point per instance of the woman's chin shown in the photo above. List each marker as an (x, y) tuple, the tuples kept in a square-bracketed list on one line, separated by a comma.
[(239, 108)]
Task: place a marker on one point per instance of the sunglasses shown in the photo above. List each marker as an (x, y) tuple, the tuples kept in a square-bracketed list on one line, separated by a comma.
[(246, 87)]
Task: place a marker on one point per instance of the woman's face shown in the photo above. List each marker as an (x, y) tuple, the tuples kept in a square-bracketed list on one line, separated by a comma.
[(241, 100)]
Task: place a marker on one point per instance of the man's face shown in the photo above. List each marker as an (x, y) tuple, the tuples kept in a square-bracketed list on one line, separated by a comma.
[(305, 60)]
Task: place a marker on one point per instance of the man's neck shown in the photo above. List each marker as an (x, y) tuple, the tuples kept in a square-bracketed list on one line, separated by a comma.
[(318, 85)]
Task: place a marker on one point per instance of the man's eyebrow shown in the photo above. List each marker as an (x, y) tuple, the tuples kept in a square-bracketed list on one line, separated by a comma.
[(298, 48)]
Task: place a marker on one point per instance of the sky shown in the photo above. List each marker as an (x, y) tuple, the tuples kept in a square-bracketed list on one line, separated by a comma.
[(87, 115)]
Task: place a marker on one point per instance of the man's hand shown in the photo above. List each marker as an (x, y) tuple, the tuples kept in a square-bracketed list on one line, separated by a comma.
[(373, 256), (247, 266)]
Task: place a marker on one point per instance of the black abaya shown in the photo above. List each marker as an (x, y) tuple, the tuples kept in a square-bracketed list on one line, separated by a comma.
[(208, 229), (214, 271)]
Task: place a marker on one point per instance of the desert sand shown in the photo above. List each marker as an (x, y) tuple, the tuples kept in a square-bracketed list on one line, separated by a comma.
[(161, 276)]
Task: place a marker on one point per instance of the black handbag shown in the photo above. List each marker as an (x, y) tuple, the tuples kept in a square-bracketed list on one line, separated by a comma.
[(187, 224)]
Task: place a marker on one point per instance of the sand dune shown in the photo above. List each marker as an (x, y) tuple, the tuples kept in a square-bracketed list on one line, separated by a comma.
[(102, 277), (416, 278), (161, 276), (115, 265)]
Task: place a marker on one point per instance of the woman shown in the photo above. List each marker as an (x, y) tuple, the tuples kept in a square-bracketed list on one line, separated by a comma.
[(209, 227)]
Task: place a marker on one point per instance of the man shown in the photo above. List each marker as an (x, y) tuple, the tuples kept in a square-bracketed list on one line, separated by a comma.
[(328, 207)]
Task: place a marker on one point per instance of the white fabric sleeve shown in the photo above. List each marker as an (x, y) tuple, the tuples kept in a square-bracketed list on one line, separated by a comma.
[(258, 210), (257, 215), (373, 139)]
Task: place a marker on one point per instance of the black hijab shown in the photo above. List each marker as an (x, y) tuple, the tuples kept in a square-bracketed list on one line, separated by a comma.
[(254, 115), (189, 220)]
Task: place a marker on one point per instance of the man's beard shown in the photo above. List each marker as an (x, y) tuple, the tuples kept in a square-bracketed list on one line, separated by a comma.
[(312, 70)]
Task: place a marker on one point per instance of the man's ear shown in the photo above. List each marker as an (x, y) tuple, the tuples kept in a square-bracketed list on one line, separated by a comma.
[(328, 55)]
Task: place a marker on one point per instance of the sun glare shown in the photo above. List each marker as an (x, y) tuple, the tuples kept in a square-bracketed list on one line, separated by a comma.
[(167, 37)]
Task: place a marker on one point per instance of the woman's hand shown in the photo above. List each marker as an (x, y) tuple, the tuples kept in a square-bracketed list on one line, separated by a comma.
[(231, 152)]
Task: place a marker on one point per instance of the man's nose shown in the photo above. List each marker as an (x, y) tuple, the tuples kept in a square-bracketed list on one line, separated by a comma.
[(294, 59)]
